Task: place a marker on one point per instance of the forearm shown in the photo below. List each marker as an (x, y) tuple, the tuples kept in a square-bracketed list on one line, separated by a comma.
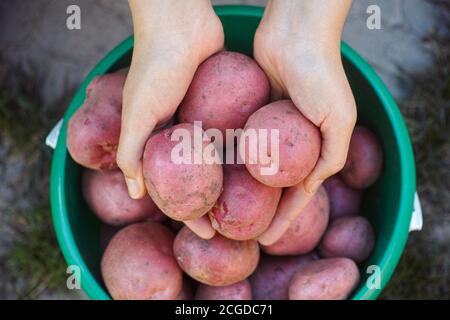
[(319, 21)]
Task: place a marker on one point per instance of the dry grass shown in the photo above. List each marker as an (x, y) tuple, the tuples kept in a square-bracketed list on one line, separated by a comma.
[(34, 263), (424, 270)]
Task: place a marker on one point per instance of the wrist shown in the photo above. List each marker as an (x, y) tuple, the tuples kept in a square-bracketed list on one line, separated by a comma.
[(156, 18), (315, 24), (299, 46), (189, 28)]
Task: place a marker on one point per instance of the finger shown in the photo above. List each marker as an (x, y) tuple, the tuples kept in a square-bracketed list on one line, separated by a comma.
[(201, 227), (292, 202), (336, 134), (129, 160), (136, 127), (139, 118)]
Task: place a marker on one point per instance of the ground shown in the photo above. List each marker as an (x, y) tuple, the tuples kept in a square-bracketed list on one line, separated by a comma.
[(44, 62)]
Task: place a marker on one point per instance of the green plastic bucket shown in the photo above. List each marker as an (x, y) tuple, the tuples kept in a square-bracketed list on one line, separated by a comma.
[(388, 204)]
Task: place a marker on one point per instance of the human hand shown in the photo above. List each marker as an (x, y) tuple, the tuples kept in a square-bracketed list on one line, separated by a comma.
[(171, 39), (298, 46)]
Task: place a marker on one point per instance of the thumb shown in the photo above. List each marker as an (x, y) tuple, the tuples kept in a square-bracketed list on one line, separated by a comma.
[(292, 202), (129, 154), (201, 227)]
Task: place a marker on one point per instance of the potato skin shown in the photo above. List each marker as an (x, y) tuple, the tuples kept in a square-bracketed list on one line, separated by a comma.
[(181, 191), (299, 144), (106, 194), (226, 89), (93, 131), (325, 279), (139, 264), (350, 237), (246, 207), (305, 232), (215, 262), (364, 160), (271, 279), (344, 200), (237, 291)]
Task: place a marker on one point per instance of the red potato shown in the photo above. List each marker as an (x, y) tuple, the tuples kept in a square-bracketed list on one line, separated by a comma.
[(271, 279), (344, 200), (238, 291), (183, 191), (299, 144), (215, 262), (106, 194), (227, 88), (93, 131), (246, 207), (139, 264), (304, 233), (364, 160), (325, 279), (350, 237)]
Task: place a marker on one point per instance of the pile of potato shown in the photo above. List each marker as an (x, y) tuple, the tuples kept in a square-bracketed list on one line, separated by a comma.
[(150, 254)]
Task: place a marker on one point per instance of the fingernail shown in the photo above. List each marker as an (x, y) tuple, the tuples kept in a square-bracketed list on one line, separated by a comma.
[(315, 186), (133, 188)]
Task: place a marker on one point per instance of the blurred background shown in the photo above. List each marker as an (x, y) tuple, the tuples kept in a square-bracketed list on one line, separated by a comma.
[(42, 63)]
